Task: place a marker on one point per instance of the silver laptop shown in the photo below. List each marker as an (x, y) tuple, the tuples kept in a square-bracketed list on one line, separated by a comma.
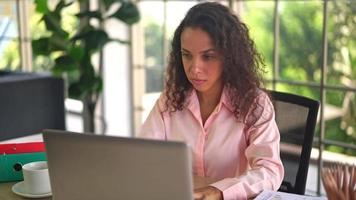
[(96, 167)]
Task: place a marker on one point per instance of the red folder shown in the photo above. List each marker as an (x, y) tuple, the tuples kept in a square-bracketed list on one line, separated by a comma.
[(16, 148), (13, 154)]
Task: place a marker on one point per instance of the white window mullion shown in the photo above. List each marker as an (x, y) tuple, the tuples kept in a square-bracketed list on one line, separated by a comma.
[(24, 34)]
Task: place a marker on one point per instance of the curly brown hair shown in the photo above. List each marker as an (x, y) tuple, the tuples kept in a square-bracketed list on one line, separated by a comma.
[(242, 64)]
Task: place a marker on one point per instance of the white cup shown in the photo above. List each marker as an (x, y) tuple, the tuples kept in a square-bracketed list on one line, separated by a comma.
[(36, 178)]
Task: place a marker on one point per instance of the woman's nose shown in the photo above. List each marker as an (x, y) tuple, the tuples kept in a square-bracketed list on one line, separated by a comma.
[(196, 66)]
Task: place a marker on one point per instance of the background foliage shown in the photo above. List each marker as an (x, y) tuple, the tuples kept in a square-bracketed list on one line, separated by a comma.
[(300, 55), (70, 51)]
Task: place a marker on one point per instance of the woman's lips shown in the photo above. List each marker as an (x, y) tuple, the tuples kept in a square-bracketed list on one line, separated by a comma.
[(198, 82)]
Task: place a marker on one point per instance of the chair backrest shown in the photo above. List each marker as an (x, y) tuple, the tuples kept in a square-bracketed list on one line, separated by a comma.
[(296, 117), (29, 103)]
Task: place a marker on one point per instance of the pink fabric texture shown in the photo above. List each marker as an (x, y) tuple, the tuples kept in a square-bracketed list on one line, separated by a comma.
[(244, 158)]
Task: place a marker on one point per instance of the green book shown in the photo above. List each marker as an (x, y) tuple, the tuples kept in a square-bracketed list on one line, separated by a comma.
[(11, 165)]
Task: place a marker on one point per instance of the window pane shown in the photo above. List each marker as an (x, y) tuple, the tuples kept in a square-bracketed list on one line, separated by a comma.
[(153, 41), (9, 49), (8, 20), (176, 11), (340, 120), (258, 15), (342, 43), (306, 91), (153, 32), (301, 40), (9, 55)]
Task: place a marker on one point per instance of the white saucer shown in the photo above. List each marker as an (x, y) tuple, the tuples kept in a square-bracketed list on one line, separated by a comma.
[(19, 190)]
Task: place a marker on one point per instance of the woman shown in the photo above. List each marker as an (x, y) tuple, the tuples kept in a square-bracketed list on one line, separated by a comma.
[(213, 102)]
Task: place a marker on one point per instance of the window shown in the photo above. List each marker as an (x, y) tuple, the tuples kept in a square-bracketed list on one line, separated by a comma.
[(308, 47), (9, 44)]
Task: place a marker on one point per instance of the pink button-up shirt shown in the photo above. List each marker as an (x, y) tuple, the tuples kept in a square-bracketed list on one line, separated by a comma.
[(245, 159)]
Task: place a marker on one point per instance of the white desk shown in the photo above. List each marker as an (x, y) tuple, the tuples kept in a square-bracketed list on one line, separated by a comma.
[(30, 138), (7, 194)]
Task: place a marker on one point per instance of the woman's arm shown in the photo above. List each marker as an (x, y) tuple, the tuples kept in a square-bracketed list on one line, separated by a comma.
[(265, 167), (153, 127)]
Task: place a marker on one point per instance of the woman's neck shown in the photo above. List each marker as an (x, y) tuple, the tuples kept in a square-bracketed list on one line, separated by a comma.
[(208, 102), (211, 97)]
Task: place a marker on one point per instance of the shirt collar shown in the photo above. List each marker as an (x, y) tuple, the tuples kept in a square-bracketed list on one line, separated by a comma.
[(192, 102)]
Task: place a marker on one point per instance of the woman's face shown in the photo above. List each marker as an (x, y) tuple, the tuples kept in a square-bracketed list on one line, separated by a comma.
[(202, 63)]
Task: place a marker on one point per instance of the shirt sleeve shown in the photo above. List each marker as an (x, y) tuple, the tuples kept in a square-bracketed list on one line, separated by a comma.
[(265, 167), (153, 127)]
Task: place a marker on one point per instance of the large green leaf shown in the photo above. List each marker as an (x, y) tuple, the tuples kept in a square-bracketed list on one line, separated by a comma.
[(73, 76), (58, 43), (87, 81), (47, 45), (76, 52), (53, 24), (65, 63), (86, 84), (62, 4), (108, 3), (41, 46), (74, 90), (94, 39), (41, 6), (128, 13), (90, 14)]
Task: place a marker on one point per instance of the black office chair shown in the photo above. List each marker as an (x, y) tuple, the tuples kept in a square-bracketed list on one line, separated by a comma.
[(30, 102), (296, 117)]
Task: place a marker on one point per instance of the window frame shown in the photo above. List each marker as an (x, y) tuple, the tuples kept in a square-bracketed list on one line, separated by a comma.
[(322, 86)]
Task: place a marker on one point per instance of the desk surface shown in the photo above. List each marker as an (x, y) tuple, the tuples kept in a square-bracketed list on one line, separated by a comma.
[(5, 188), (29, 138), (7, 194)]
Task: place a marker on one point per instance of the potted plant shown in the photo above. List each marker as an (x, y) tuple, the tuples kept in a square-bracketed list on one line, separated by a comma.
[(72, 53)]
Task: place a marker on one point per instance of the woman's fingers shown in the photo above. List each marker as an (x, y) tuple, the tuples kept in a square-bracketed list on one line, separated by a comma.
[(198, 196)]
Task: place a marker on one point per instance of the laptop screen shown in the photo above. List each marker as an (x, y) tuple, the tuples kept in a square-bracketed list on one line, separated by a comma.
[(83, 166)]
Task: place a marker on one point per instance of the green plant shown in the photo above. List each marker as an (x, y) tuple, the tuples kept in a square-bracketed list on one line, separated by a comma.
[(73, 52)]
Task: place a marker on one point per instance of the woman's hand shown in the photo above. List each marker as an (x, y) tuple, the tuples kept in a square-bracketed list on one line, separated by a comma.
[(208, 193)]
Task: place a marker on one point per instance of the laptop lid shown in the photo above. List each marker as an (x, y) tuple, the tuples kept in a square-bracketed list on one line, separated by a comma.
[(83, 166)]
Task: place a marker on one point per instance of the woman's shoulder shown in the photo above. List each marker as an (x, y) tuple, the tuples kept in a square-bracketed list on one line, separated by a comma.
[(163, 102), (263, 99), (261, 108), (262, 94)]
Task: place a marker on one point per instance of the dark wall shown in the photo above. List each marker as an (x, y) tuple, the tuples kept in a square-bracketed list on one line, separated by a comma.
[(29, 103)]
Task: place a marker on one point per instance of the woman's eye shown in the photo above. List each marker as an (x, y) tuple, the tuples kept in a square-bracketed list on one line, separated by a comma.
[(208, 57), (186, 55)]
